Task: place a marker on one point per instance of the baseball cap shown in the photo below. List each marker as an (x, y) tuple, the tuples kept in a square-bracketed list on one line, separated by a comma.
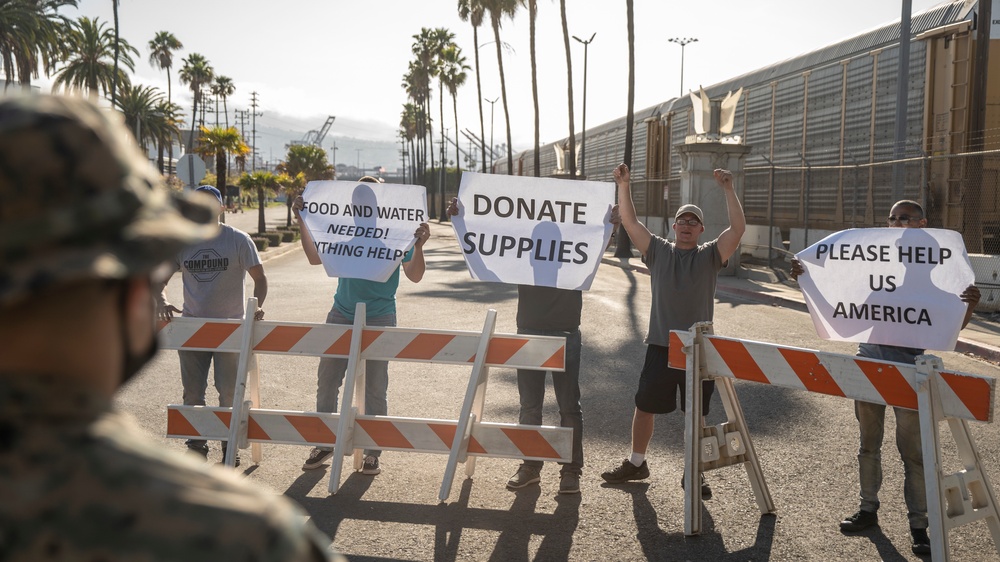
[(689, 208), (211, 191), (79, 201)]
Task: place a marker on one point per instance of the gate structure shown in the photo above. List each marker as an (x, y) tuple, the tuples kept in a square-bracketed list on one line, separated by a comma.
[(937, 394), (463, 439)]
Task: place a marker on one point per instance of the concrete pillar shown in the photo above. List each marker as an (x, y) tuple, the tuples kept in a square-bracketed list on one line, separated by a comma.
[(698, 162)]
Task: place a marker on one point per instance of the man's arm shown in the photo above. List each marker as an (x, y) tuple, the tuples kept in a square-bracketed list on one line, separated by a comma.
[(729, 240), (164, 310), (640, 235), (304, 237), (259, 288), (970, 296), (414, 269)]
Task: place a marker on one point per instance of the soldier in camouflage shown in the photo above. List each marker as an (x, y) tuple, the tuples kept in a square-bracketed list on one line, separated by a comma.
[(84, 223)]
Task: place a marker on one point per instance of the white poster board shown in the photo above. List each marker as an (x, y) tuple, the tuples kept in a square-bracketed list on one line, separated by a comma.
[(362, 230), (533, 231), (894, 286)]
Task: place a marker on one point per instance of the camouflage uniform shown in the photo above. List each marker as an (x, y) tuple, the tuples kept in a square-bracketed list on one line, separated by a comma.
[(77, 481)]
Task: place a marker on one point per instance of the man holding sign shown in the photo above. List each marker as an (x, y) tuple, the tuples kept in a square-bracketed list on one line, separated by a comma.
[(682, 278), (361, 239), (522, 221), (889, 321)]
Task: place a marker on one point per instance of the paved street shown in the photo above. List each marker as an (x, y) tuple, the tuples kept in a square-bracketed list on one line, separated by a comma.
[(807, 442)]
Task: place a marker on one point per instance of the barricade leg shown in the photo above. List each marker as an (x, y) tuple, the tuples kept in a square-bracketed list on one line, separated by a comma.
[(360, 390), (692, 432), (345, 425), (256, 452), (954, 499), (238, 420), (734, 442), (460, 443)]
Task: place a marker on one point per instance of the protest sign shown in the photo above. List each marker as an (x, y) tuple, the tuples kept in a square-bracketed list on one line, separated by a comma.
[(533, 231), (894, 286), (362, 230)]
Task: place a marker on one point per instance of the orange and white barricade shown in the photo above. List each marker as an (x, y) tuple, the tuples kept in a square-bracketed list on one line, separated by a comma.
[(463, 439), (938, 395)]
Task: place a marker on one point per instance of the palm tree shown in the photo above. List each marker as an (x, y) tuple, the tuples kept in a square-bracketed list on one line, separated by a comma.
[(139, 105), (32, 34), (219, 142), (623, 245), (424, 48), (262, 182), (165, 129), (442, 41), (88, 69), (532, 16), (196, 72), (474, 12), (114, 80), (453, 75), (408, 125), (293, 186), (569, 81), (497, 10), (161, 55), (223, 87)]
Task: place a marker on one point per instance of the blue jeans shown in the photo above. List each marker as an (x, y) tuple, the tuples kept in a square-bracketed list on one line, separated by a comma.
[(331, 373), (194, 378), (871, 419), (531, 388)]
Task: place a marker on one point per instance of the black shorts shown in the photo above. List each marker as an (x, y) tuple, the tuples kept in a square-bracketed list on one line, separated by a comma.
[(658, 385)]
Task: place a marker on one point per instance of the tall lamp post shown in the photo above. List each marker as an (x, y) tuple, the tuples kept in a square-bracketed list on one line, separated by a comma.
[(583, 141), (682, 41), (493, 101)]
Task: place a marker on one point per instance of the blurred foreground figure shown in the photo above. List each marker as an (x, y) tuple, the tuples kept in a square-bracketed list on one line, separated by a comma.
[(84, 223)]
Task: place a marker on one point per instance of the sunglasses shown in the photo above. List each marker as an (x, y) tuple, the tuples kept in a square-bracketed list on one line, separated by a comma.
[(902, 218), (687, 222)]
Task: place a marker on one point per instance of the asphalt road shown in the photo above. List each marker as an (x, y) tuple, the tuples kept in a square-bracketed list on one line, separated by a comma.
[(806, 442)]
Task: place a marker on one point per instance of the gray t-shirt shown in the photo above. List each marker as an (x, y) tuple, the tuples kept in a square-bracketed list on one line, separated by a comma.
[(214, 273), (683, 287)]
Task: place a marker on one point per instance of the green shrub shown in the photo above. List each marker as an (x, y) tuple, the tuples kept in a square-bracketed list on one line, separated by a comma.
[(288, 236), (274, 238), (260, 242)]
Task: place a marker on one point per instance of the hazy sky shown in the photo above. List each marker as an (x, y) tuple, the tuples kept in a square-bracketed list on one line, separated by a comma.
[(307, 59)]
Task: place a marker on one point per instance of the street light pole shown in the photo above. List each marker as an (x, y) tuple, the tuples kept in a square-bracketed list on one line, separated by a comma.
[(583, 141), (358, 165), (493, 101), (682, 41)]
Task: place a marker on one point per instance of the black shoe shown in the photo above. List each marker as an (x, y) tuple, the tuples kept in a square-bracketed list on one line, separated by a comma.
[(706, 490), (316, 458), (859, 521), (627, 471), (921, 542), (200, 450)]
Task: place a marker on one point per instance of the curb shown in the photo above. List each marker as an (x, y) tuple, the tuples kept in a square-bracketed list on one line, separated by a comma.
[(285, 248), (983, 351)]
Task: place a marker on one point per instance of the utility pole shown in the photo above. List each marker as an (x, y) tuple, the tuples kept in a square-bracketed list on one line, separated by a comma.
[(333, 153), (583, 142), (358, 166), (682, 41), (241, 116), (253, 115)]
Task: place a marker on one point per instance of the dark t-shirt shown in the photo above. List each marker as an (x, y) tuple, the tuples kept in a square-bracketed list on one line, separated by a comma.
[(683, 287), (547, 308)]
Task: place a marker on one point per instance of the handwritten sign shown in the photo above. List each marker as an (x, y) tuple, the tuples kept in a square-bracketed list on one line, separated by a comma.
[(533, 231), (362, 230), (895, 286)]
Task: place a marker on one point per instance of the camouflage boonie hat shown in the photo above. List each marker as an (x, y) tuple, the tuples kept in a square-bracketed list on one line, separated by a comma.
[(79, 201)]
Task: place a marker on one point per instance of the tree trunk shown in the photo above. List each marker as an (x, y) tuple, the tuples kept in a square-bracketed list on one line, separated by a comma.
[(114, 78), (569, 81), (623, 248), (503, 93), (479, 94), (532, 14), (220, 180), (261, 224)]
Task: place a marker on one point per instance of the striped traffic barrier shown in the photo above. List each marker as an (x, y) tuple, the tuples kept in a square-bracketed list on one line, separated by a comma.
[(463, 439), (937, 394)]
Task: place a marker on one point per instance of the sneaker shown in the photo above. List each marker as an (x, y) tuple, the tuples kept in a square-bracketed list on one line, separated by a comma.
[(921, 542), (525, 476), (627, 471), (236, 459), (569, 483), (706, 490), (370, 466), (316, 458), (859, 521), (200, 450)]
